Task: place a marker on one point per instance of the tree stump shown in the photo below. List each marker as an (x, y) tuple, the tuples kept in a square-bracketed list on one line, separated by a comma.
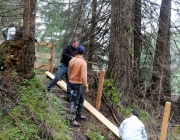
[(13, 57)]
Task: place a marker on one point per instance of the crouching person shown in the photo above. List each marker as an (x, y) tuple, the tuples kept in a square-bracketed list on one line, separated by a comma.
[(132, 128), (77, 73)]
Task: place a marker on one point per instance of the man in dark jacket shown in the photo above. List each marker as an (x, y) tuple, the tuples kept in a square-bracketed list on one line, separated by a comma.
[(68, 53)]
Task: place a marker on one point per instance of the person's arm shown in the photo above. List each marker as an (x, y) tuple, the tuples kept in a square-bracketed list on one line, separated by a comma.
[(121, 130), (66, 52), (144, 135), (84, 77)]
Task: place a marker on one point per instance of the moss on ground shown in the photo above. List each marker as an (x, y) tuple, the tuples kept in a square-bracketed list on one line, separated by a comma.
[(35, 114)]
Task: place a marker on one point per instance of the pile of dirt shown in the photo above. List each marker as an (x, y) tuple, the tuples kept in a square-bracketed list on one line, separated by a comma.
[(92, 127)]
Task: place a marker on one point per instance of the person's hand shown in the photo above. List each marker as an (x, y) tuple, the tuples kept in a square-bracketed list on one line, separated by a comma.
[(86, 90)]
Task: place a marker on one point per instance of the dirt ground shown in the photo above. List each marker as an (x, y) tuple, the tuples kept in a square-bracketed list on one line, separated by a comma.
[(92, 126)]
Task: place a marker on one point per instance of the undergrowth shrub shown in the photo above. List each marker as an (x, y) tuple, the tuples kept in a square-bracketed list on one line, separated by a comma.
[(110, 90)]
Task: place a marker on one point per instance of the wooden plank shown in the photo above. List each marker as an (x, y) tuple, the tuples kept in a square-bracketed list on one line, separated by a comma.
[(61, 83), (100, 88), (165, 121), (91, 109), (43, 55), (101, 118), (44, 44), (41, 66)]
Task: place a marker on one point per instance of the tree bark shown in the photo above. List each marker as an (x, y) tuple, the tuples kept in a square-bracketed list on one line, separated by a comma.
[(29, 14), (161, 67), (137, 43), (92, 35), (121, 42)]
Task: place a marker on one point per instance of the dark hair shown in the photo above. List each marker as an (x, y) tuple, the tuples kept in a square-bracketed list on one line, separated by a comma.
[(12, 25), (74, 41), (135, 112), (80, 52)]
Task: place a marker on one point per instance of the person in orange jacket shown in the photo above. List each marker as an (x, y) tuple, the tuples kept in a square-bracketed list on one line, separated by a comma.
[(77, 73)]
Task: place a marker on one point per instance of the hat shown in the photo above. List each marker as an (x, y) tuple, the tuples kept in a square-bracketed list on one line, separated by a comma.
[(81, 49), (135, 112)]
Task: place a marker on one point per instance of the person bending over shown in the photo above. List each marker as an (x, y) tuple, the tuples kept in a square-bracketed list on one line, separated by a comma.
[(68, 53), (132, 128)]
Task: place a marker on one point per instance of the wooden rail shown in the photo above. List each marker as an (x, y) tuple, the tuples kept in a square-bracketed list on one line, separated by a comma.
[(91, 109), (48, 56)]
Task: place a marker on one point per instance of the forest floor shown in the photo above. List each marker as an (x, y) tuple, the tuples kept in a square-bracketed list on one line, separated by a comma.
[(91, 127)]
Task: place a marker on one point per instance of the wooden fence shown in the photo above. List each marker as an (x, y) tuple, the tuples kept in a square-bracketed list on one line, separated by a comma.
[(49, 56)]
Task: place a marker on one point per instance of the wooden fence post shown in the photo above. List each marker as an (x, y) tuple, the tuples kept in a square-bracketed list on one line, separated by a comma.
[(52, 58), (165, 121), (100, 87)]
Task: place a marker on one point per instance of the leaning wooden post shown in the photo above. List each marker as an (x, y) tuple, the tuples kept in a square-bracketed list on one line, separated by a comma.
[(100, 87), (165, 121)]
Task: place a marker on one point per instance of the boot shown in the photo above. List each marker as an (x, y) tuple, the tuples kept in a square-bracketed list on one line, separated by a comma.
[(81, 117), (75, 123), (48, 88)]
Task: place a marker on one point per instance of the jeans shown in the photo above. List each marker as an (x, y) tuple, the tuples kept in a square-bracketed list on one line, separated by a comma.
[(77, 98), (62, 70)]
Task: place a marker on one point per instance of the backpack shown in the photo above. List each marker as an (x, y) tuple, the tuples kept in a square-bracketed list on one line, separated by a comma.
[(19, 32)]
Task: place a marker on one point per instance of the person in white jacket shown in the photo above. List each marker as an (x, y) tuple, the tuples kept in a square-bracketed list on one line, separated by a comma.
[(11, 32), (132, 128)]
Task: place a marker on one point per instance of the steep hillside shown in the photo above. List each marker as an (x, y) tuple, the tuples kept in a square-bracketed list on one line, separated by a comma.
[(91, 128), (113, 111), (28, 111)]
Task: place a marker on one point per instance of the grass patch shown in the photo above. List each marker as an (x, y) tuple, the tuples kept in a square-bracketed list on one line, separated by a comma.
[(34, 115)]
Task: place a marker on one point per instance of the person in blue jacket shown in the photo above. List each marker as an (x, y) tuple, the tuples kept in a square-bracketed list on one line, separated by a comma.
[(132, 128)]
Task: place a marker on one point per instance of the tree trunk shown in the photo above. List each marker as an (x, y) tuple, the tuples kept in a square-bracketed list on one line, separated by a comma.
[(29, 14), (161, 69), (92, 35), (137, 43), (121, 42)]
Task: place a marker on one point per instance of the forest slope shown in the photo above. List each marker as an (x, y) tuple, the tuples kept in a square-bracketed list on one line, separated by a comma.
[(30, 112)]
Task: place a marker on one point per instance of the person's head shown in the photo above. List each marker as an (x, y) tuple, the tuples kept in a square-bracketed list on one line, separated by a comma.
[(11, 25), (80, 50), (135, 113), (75, 43)]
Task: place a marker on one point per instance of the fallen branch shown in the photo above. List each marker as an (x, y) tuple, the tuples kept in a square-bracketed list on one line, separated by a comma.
[(16, 121)]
